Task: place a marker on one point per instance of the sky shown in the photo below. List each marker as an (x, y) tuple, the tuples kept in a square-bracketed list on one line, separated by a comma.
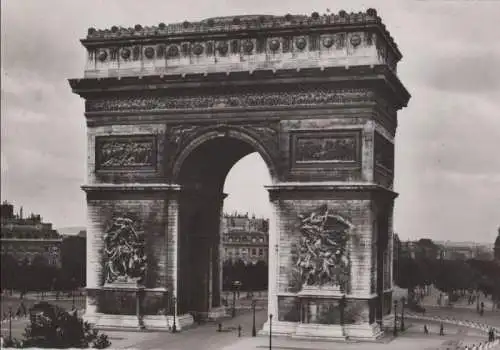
[(448, 138)]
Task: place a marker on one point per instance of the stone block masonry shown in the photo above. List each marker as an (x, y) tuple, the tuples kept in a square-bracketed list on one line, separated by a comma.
[(171, 108)]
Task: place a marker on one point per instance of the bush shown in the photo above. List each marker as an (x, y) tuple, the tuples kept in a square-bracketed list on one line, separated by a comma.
[(53, 327)]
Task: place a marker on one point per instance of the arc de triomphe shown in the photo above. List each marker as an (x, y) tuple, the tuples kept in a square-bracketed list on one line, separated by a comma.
[(171, 108)]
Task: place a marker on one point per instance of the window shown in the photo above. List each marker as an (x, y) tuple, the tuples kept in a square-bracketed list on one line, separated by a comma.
[(254, 252), (261, 252)]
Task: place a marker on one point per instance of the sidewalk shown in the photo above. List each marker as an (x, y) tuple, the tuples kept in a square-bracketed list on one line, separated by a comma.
[(204, 337), (406, 343)]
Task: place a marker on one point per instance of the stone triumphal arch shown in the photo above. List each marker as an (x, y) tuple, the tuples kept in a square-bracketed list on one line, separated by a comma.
[(171, 108)]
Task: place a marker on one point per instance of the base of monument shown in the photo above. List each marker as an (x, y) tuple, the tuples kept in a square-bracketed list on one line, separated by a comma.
[(217, 313), (319, 331), (363, 331), (279, 328), (131, 322)]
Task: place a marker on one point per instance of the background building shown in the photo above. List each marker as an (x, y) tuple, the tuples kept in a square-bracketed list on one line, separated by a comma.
[(245, 238), (465, 250), (28, 239)]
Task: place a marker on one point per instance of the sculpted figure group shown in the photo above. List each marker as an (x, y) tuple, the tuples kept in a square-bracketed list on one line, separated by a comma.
[(322, 254), (124, 249)]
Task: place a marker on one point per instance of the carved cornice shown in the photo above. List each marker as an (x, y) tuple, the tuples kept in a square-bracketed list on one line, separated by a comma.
[(130, 187), (283, 81), (330, 186)]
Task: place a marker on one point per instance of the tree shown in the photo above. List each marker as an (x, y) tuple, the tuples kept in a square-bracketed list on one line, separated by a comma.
[(53, 327), (9, 271), (73, 261)]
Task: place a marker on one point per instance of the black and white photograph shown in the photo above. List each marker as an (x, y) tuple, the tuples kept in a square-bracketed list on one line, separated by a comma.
[(243, 175)]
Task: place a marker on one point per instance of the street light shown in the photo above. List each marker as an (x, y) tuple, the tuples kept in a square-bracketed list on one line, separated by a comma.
[(403, 300), (233, 311), (342, 313), (395, 318), (270, 331), (174, 326), (236, 285), (254, 331), (10, 322), (73, 291)]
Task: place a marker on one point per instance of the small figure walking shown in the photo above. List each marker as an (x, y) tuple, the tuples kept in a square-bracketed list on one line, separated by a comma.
[(426, 330), (441, 329), (491, 335)]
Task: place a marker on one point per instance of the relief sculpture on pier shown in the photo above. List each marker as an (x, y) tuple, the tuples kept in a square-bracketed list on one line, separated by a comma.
[(323, 258), (125, 259), (326, 149), (125, 152)]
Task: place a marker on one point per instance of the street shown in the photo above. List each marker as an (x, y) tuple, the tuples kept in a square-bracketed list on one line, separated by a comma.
[(198, 337)]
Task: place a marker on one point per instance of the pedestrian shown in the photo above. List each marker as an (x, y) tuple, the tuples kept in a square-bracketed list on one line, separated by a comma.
[(491, 335), (441, 329), (426, 330)]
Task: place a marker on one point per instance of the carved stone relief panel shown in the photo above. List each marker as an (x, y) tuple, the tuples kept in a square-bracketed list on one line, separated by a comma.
[(331, 148), (241, 100), (126, 152), (323, 254), (124, 256)]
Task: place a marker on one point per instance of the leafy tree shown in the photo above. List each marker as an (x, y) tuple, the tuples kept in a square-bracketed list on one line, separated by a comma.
[(9, 271), (73, 261), (53, 327)]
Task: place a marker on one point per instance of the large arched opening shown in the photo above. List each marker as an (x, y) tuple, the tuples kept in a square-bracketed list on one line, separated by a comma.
[(201, 170)]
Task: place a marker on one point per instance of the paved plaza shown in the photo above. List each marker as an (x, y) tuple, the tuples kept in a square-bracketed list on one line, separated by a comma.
[(207, 337)]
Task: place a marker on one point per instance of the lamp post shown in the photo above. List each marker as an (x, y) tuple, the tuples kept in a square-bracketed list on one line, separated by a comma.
[(270, 331), (236, 285), (254, 331), (174, 325), (477, 300), (233, 310), (342, 313), (403, 300), (73, 292), (10, 322), (395, 318)]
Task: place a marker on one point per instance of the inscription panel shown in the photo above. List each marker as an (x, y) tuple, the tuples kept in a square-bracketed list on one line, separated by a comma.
[(125, 153), (339, 148)]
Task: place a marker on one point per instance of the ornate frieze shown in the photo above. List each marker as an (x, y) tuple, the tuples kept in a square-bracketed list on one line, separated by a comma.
[(125, 152), (325, 149), (242, 100), (125, 260), (336, 147), (323, 256)]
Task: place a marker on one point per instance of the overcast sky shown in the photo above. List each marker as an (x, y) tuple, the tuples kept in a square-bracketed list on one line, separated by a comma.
[(448, 140)]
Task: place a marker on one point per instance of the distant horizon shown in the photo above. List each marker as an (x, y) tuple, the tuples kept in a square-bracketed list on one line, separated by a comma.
[(76, 228)]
